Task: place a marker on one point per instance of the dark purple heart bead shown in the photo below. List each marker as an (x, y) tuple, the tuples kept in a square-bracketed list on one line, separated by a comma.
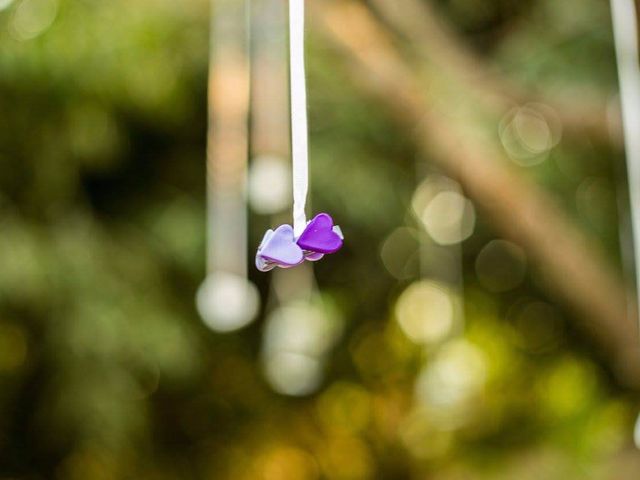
[(319, 236)]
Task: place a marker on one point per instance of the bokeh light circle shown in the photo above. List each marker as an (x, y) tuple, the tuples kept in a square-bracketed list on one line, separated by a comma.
[(400, 253), (33, 17), (227, 302), (4, 4), (269, 185), (449, 218), (292, 373), (425, 312), (457, 373), (445, 213), (529, 132), (501, 266)]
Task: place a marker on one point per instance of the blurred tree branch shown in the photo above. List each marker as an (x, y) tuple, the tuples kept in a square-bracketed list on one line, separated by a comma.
[(573, 268), (580, 112)]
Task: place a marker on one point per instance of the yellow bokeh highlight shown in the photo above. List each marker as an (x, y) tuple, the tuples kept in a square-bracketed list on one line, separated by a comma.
[(345, 406)]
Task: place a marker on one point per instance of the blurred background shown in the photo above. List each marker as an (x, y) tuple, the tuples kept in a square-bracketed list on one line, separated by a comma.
[(479, 323)]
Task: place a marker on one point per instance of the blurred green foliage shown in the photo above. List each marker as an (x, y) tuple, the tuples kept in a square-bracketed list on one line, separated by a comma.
[(106, 372)]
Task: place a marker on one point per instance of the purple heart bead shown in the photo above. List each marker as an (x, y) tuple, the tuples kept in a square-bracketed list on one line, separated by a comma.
[(319, 236), (264, 265), (278, 248), (313, 256)]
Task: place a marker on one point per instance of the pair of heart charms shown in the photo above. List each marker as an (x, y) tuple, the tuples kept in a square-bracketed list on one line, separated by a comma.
[(280, 247)]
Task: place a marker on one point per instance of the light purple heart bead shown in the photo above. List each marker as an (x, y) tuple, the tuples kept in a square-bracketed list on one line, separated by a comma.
[(321, 236), (262, 264), (279, 248)]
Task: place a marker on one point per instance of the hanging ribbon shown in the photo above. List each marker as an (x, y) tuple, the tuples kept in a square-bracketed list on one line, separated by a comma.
[(299, 128), (288, 246), (227, 300), (625, 31)]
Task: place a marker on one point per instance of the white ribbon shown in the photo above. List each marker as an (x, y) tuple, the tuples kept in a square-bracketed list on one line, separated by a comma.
[(299, 129), (625, 30)]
